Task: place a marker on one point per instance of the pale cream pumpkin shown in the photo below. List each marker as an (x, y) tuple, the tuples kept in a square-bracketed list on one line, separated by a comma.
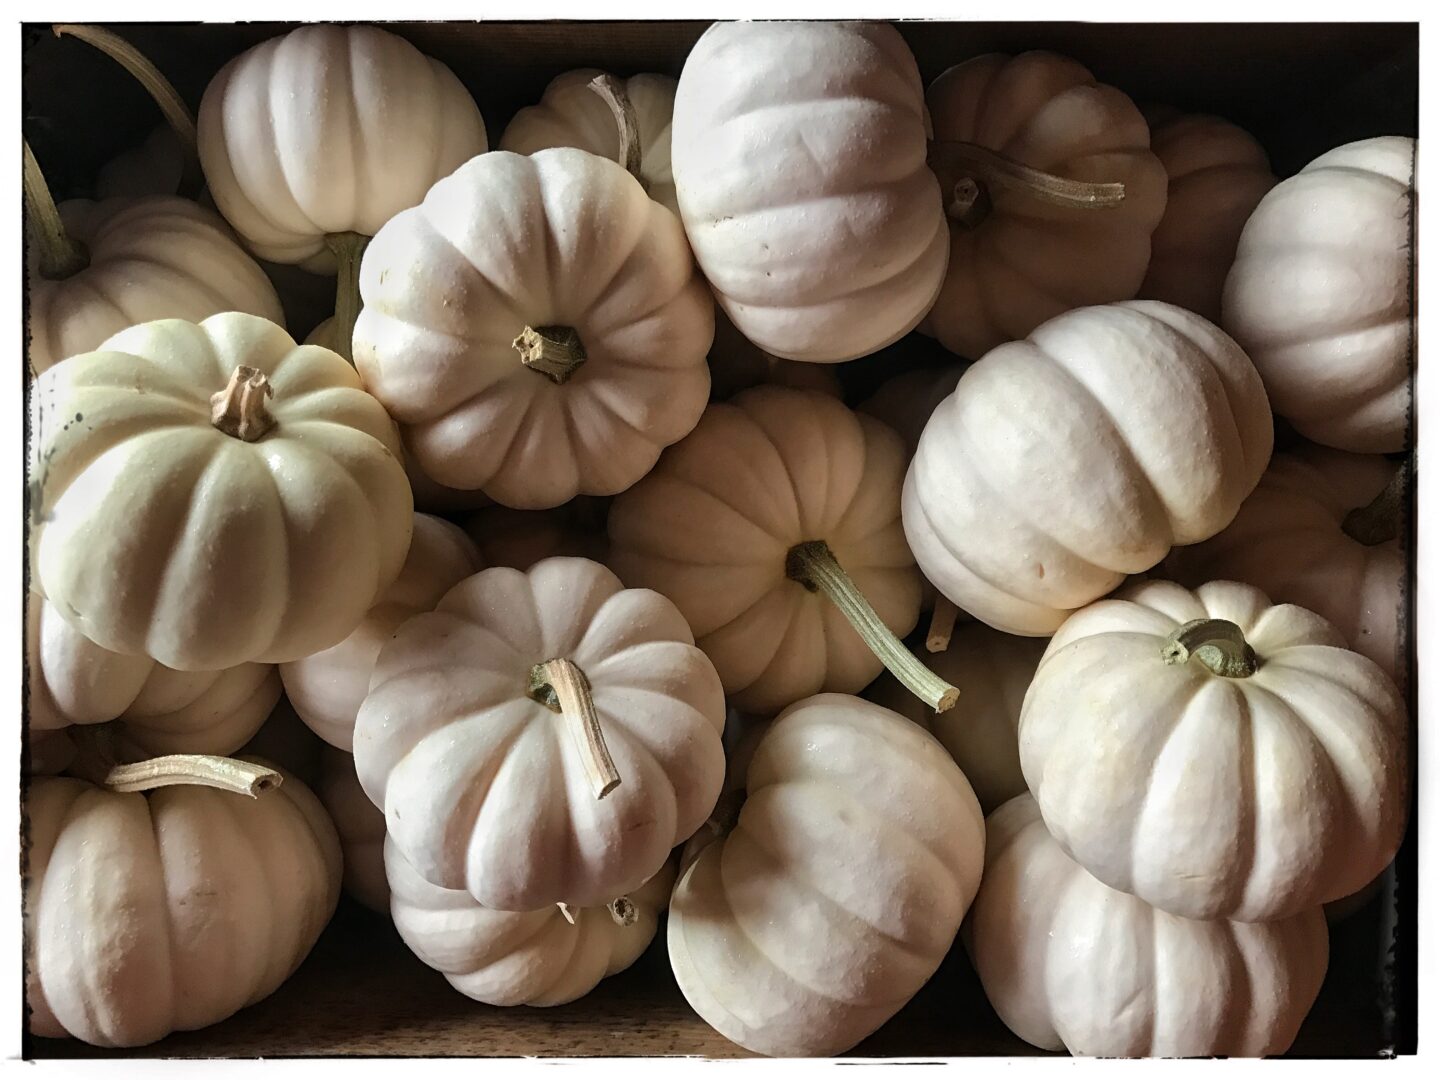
[(73, 681), (993, 671), (542, 737), (799, 162), (152, 911), (1290, 540), (546, 957), (1068, 460), (1322, 295), (839, 889), (211, 495), (1026, 248), (573, 113), (360, 826), (538, 327), (521, 538), (747, 524), (907, 401), (327, 687), (1214, 754), (1217, 174), (1071, 964)]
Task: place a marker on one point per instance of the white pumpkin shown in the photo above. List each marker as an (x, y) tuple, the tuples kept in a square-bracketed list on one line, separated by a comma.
[(1066, 461), (571, 113), (992, 671), (361, 828), (329, 130), (1217, 174), (538, 326), (73, 681), (839, 889), (326, 688), (168, 910), (211, 495), (907, 401), (159, 257), (1322, 295), (1289, 540), (1070, 964), (545, 957), (521, 538), (732, 521), (799, 161), (542, 737), (1216, 755), (1017, 256)]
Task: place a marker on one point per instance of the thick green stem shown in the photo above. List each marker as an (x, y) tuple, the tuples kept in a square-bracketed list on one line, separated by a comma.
[(1380, 520), (554, 351), (162, 92), (59, 256), (349, 249), (562, 687), (1218, 644), (969, 173), (813, 565), (612, 91)]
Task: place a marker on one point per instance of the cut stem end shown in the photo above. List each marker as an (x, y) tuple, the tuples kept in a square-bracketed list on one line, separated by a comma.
[(942, 624), (239, 410), (204, 770), (554, 351)]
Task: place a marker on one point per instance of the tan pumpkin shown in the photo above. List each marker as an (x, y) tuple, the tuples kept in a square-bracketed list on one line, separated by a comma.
[(737, 363), (548, 957), (1322, 295), (326, 688), (155, 903), (521, 538), (1020, 145), (542, 737), (774, 527), (264, 503), (360, 826), (906, 402), (1066, 461)]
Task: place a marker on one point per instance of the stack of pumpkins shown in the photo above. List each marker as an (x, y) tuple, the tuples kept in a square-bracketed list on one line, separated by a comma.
[(524, 716)]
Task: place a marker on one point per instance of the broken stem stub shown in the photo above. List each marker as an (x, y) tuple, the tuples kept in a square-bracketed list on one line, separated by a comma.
[(942, 624), (239, 410), (562, 688), (554, 351), (813, 565)]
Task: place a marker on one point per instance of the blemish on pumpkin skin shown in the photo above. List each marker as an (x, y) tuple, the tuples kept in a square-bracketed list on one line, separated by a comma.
[(1039, 570)]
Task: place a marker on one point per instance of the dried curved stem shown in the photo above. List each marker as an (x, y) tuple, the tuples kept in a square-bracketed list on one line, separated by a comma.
[(1379, 521), (1218, 644), (562, 687), (612, 91), (204, 770), (59, 256), (968, 173)]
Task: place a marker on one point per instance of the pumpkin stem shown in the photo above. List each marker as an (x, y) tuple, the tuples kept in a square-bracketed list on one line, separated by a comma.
[(161, 90), (562, 687), (204, 770), (565, 911), (623, 911), (554, 351), (968, 173), (814, 566), (612, 92), (239, 410), (1217, 643), (348, 248), (1380, 520), (942, 624), (60, 256)]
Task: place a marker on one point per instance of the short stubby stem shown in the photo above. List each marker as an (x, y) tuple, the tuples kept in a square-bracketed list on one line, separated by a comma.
[(348, 249), (1379, 521), (566, 913), (562, 688), (612, 91), (813, 565), (60, 257), (239, 410), (1218, 644), (969, 202), (203, 770), (969, 174), (623, 911), (942, 624), (554, 351)]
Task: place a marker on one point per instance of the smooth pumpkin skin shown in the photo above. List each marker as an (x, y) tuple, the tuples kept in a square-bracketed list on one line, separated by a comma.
[(993, 671), (840, 889), (1066, 461), (1322, 295), (558, 238), (1071, 964), (360, 826), (1217, 174), (329, 129), (712, 525), (73, 681), (158, 257), (231, 552), (798, 151), (1212, 798), (170, 910), (534, 958), (1287, 541), (571, 114), (483, 787), (326, 688), (1029, 261)]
